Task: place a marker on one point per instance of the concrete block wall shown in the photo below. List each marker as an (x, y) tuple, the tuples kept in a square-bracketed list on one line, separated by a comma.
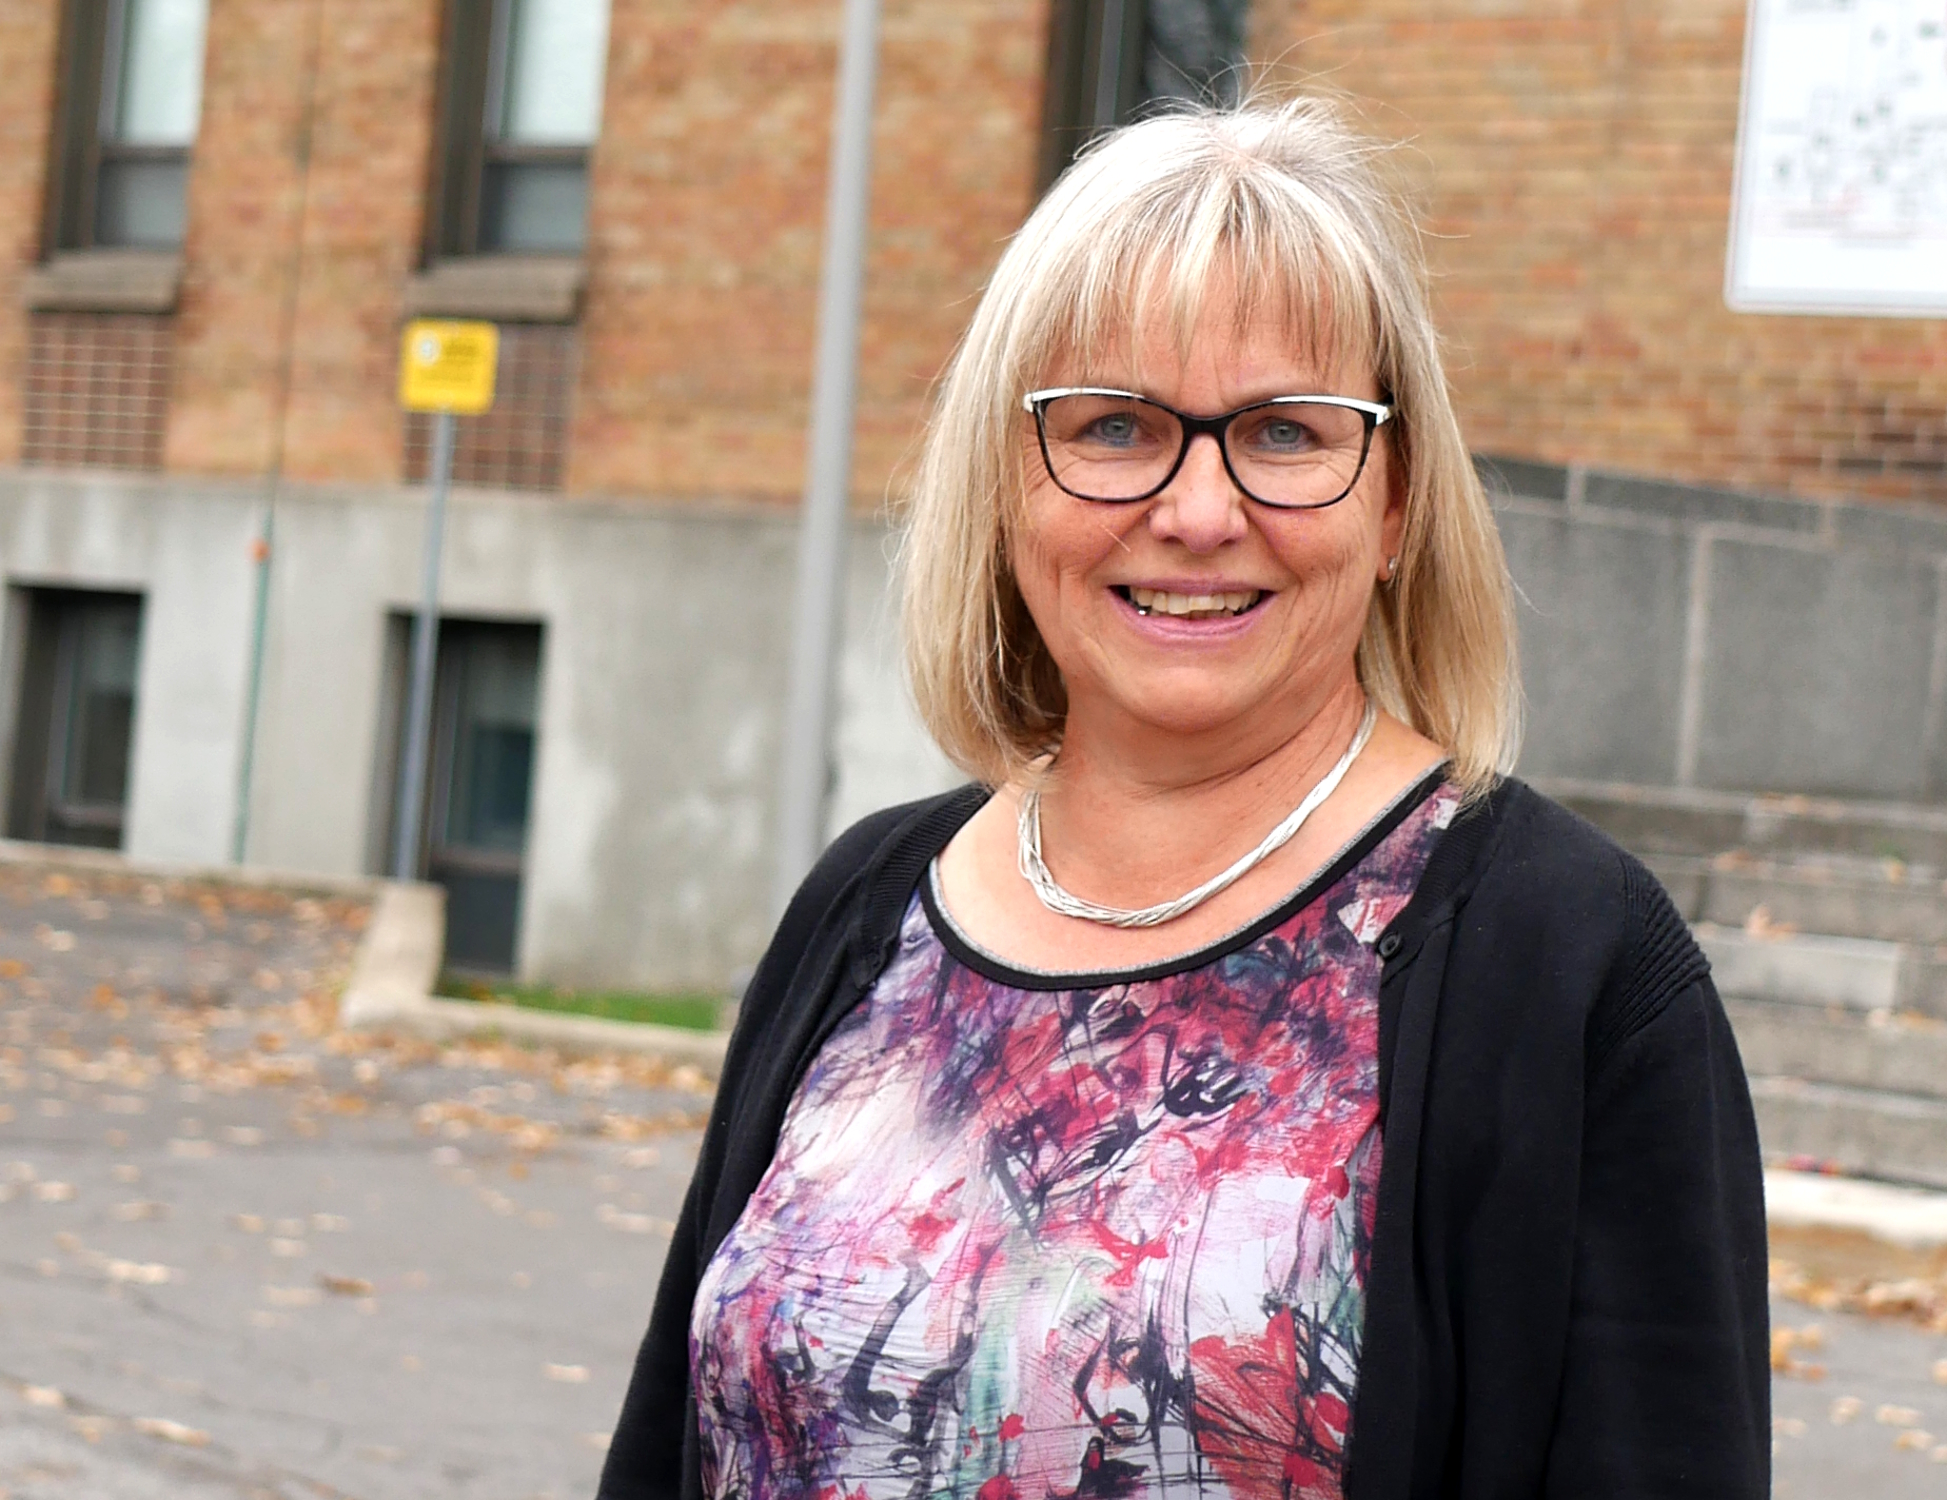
[(1679, 636)]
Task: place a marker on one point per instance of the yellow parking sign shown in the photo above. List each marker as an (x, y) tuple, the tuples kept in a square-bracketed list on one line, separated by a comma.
[(446, 365)]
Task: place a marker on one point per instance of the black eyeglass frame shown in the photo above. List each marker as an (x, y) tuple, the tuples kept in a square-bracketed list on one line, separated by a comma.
[(1376, 414)]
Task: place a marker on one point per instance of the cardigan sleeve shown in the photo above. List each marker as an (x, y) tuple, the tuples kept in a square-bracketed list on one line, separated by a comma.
[(1666, 1381)]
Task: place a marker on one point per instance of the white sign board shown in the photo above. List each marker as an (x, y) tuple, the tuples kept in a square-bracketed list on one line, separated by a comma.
[(1841, 197)]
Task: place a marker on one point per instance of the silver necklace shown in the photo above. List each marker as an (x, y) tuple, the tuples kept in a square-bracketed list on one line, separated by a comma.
[(1035, 870)]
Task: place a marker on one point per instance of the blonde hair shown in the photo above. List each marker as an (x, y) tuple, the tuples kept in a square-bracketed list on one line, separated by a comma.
[(1290, 200)]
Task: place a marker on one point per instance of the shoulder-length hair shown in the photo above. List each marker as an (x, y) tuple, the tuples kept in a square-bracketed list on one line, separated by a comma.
[(1287, 203)]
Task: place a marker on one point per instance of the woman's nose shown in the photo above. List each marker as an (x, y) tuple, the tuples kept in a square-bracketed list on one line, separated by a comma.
[(1201, 508)]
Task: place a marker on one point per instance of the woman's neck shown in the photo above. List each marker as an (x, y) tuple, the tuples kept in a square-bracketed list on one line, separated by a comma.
[(1133, 837)]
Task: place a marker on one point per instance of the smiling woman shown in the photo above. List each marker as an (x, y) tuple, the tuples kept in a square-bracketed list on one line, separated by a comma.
[(1247, 1089)]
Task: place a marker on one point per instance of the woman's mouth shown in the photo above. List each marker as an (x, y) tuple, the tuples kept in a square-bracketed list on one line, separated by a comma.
[(1213, 606)]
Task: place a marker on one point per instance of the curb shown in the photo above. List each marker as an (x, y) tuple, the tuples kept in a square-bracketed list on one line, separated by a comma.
[(397, 966), (112, 862), (1912, 1218)]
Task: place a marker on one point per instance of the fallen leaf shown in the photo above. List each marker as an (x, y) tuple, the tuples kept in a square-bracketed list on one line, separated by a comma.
[(289, 1249), (171, 1432), (129, 1213), (140, 1273), (1940, 1372), (42, 1395), (345, 1286), (1845, 1409), (248, 1223), (1897, 1416), (566, 1374), (292, 1296), (1914, 1441), (54, 1192)]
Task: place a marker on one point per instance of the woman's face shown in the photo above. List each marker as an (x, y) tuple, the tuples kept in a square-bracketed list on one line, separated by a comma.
[(1087, 569)]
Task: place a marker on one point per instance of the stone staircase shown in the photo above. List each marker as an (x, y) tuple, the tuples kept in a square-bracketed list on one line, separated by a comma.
[(1826, 927)]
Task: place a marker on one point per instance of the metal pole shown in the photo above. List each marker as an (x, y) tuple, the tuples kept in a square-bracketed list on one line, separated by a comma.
[(805, 769), (425, 636), (261, 551), (254, 684)]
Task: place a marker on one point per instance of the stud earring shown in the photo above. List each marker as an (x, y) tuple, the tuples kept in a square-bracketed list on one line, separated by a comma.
[(1392, 567)]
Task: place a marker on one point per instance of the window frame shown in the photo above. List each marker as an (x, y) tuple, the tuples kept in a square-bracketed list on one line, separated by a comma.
[(472, 77), (80, 145)]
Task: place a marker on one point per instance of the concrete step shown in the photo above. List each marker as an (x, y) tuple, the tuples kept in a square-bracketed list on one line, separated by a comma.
[(1672, 820), (1885, 1052), (1861, 1132), (1855, 974), (1829, 896)]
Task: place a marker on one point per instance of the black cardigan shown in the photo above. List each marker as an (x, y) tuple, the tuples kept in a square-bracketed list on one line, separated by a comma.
[(1567, 1289)]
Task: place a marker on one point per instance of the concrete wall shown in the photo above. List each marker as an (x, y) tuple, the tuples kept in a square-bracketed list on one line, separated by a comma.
[(1690, 637), (1672, 636), (662, 677)]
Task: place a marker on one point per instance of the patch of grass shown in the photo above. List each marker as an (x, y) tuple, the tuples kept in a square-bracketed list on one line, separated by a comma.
[(692, 1012)]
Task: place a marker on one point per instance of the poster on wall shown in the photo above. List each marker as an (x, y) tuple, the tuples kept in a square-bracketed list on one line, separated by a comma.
[(1840, 202)]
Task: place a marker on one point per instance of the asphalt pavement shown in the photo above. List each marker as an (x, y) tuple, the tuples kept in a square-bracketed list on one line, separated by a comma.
[(243, 1254)]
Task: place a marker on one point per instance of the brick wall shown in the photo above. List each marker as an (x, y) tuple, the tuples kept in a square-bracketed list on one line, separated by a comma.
[(366, 141), (708, 204), (708, 210), (29, 35), (1576, 157)]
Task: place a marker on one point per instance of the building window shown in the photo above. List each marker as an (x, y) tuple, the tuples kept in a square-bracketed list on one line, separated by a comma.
[(522, 108), (132, 93), (74, 717), (1110, 60), (522, 443), (97, 389), (486, 690)]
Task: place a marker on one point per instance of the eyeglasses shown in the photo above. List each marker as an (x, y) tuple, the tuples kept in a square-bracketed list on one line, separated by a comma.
[(1292, 452)]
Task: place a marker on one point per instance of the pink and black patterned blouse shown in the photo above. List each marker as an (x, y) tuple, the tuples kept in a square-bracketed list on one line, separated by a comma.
[(1036, 1235)]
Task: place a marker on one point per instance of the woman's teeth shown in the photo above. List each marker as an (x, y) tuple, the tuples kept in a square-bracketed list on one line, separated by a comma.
[(1191, 606)]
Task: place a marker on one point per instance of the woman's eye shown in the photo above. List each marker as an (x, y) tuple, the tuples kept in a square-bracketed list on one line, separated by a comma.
[(1283, 433), (1118, 429)]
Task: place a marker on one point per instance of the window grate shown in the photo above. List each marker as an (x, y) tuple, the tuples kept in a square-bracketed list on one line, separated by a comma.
[(522, 443), (97, 390)]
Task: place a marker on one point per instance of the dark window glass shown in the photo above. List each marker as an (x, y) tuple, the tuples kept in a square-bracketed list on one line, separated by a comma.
[(75, 722), (1110, 60), (480, 783)]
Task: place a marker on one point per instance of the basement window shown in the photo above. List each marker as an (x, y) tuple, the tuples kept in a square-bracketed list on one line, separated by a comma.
[(74, 720)]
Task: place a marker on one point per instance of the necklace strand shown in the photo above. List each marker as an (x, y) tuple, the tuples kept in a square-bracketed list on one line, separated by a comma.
[(1035, 870)]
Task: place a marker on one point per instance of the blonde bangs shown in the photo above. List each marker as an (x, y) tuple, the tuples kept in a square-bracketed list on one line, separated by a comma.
[(1284, 209)]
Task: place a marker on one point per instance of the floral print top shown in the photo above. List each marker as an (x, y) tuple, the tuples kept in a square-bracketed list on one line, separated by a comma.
[(1036, 1235)]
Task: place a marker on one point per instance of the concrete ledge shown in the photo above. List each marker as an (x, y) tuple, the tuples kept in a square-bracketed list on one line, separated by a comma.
[(504, 288), (105, 281), (397, 967), (397, 963), (110, 861), (442, 1020), (1909, 1217)]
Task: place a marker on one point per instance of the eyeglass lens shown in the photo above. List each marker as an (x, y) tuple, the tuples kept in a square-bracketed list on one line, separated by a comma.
[(1105, 447)]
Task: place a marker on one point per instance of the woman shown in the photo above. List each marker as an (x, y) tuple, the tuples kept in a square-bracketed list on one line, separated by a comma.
[(1256, 1093)]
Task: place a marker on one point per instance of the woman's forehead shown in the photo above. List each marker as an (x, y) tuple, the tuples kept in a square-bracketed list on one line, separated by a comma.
[(1250, 328), (1261, 353)]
